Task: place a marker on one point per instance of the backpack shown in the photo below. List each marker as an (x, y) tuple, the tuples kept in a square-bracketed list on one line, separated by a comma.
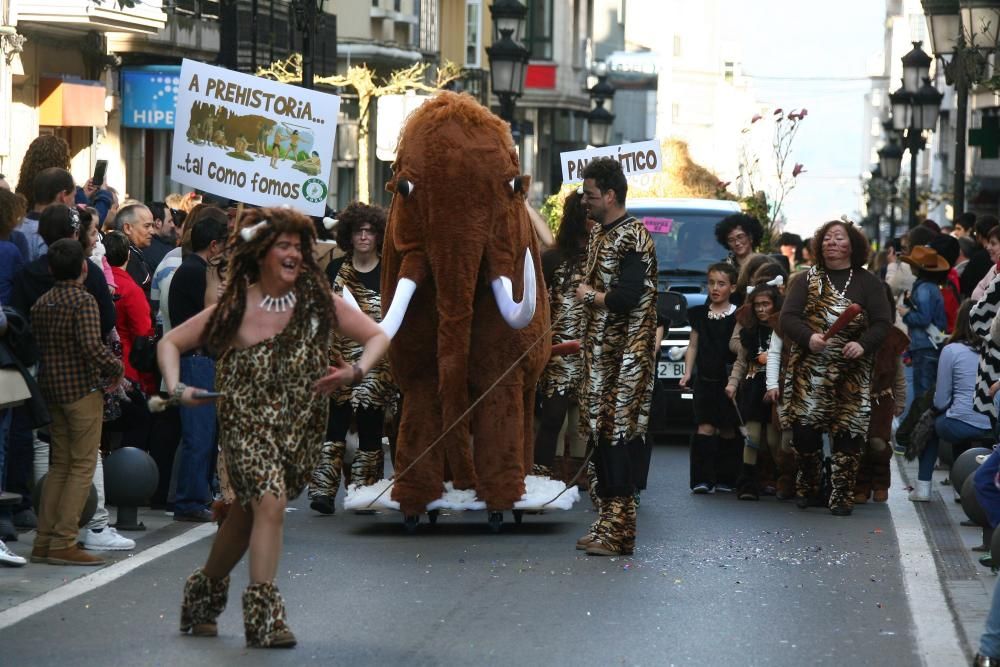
[(19, 337)]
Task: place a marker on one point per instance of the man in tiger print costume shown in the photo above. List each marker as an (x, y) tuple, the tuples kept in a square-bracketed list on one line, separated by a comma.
[(618, 289), (357, 274)]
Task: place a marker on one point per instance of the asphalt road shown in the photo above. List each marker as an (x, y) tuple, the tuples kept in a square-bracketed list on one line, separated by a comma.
[(713, 581)]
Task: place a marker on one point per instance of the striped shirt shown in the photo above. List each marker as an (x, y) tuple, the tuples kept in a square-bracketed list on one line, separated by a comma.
[(67, 327)]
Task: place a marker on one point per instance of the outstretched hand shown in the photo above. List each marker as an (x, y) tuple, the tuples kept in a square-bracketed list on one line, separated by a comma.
[(339, 375)]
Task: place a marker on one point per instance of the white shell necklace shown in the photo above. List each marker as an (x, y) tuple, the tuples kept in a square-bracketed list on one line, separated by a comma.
[(278, 305), (841, 293)]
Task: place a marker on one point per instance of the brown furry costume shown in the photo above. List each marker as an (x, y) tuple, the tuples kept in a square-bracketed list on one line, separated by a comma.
[(459, 227)]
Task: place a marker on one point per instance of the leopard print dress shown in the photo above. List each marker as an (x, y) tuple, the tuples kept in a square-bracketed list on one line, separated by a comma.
[(376, 389), (825, 390), (562, 375), (618, 366), (271, 422)]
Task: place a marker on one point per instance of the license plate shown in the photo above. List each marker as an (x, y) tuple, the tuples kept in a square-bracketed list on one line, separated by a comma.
[(670, 369)]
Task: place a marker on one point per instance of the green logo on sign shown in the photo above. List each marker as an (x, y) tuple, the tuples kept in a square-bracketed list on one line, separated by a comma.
[(314, 190)]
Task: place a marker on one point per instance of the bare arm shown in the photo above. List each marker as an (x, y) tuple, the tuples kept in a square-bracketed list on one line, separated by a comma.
[(690, 354), (542, 231), (179, 340), (354, 324)]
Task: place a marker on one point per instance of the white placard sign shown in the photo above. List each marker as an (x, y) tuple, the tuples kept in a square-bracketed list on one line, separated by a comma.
[(642, 157), (253, 140)]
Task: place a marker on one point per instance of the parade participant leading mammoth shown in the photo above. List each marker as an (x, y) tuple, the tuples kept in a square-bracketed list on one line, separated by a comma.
[(828, 380), (458, 251)]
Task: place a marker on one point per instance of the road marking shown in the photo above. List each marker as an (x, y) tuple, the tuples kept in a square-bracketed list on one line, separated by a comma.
[(937, 637), (102, 576)]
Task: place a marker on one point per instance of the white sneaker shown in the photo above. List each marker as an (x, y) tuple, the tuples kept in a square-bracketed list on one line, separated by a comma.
[(9, 558), (921, 493), (106, 540)]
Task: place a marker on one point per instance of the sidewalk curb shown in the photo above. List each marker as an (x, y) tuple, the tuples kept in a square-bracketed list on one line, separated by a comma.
[(935, 623)]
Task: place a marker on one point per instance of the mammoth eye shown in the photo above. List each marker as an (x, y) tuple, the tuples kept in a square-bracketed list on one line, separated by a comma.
[(517, 184), (405, 187)]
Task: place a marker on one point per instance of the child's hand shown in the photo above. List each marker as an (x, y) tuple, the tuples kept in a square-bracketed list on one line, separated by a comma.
[(994, 388), (771, 395), (730, 391), (685, 380)]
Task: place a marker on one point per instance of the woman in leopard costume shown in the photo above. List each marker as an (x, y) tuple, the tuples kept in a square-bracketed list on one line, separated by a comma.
[(828, 382), (360, 229), (271, 333), (557, 388)]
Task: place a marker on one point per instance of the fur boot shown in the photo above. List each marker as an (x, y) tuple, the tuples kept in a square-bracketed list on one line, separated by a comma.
[(748, 488), (842, 476), (264, 617), (616, 530), (326, 477), (808, 478), (539, 470), (367, 467), (204, 599), (592, 485)]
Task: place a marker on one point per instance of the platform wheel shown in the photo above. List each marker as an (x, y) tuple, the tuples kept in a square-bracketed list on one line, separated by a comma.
[(432, 517), (411, 523), (518, 516)]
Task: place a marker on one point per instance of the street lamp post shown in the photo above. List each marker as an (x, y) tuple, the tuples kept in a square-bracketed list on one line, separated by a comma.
[(508, 57), (599, 119), (890, 159), (307, 13), (915, 108)]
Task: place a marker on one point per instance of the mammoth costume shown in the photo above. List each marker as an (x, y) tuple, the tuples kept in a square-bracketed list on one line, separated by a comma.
[(460, 267)]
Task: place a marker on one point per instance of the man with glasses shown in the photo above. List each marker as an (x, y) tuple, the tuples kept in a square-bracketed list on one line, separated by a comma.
[(186, 298), (618, 288)]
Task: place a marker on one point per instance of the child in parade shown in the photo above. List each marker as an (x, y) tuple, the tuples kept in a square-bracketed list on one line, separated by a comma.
[(714, 449), (752, 335)]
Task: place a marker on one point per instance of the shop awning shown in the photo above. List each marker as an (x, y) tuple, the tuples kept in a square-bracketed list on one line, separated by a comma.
[(69, 102)]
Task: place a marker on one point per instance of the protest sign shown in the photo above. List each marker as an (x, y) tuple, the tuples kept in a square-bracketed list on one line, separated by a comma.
[(253, 140), (642, 157)]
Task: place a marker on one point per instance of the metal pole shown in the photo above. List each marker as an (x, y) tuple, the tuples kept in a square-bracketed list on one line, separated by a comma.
[(962, 93), (892, 212), (914, 149), (253, 37), (507, 107), (308, 43)]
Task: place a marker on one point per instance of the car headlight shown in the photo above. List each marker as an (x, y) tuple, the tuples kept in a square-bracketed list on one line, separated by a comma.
[(676, 353)]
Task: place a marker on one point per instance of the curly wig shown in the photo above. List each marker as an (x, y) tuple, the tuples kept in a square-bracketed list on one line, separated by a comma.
[(355, 215), (243, 269), (44, 152), (12, 208), (859, 244), (748, 223)]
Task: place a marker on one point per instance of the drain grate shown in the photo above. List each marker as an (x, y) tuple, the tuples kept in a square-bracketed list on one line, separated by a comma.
[(950, 552)]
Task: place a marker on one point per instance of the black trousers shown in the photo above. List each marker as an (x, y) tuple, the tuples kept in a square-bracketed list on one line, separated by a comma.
[(807, 440), (621, 468), (370, 425), (551, 415)]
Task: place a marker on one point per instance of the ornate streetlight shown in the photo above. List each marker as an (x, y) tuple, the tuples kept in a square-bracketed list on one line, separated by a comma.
[(890, 160), (599, 119), (508, 58)]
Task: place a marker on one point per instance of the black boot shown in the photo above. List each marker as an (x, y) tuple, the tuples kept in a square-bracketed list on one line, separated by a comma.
[(704, 451), (747, 487)]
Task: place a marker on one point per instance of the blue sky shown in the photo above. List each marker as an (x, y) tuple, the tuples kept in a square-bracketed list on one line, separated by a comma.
[(815, 55)]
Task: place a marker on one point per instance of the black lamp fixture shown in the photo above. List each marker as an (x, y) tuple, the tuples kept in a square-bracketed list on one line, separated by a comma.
[(599, 119), (915, 108), (307, 16), (980, 23), (508, 58), (890, 161)]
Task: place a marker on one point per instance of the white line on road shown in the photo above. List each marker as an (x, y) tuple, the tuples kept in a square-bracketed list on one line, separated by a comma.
[(101, 577), (937, 638)]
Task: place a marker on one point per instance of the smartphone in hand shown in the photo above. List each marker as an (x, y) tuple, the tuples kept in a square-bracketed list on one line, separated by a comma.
[(99, 172)]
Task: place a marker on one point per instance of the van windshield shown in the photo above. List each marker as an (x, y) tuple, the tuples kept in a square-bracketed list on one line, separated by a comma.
[(685, 240)]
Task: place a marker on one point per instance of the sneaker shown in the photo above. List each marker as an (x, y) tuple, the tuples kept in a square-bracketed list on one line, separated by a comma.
[(26, 519), (702, 488), (9, 558), (723, 488), (200, 516), (107, 539)]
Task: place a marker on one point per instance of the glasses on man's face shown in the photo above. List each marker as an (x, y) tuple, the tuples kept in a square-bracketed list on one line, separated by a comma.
[(739, 237), (364, 232)]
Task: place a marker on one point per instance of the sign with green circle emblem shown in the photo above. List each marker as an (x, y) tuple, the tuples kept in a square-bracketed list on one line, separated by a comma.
[(314, 190)]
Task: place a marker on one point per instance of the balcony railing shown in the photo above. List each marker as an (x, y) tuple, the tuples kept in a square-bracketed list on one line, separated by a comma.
[(146, 17)]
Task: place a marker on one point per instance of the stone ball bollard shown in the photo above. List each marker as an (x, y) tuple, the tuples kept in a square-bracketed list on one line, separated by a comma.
[(88, 508), (130, 479)]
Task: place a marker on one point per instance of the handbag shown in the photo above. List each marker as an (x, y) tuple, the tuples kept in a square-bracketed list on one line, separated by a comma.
[(142, 356), (13, 389), (921, 433)]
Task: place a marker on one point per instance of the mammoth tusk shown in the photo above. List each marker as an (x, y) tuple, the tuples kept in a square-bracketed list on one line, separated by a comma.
[(349, 298), (517, 315), (329, 223), (397, 309)]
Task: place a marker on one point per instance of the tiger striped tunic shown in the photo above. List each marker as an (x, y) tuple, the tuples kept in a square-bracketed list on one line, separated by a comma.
[(981, 316), (563, 373), (377, 388), (826, 390), (618, 360)]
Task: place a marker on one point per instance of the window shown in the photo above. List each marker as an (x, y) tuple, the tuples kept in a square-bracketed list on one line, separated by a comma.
[(876, 127), (728, 69), (677, 46), (428, 16), (473, 32), (539, 41), (877, 98)]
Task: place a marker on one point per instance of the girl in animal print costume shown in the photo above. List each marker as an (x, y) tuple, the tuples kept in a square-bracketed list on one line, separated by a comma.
[(270, 332), (828, 382), (360, 229)]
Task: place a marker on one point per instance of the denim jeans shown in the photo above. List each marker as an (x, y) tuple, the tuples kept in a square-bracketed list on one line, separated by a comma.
[(194, 477), (952, 430), (989, 642), (924, 364), (5, 419)]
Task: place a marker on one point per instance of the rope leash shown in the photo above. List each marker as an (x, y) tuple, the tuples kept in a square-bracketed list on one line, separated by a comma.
[(468, 410)]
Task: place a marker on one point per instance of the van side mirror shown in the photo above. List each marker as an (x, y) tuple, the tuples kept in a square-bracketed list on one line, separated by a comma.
[(671, 307)]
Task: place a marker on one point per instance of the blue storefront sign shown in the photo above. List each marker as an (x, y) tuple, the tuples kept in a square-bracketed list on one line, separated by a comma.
[(149, 96)]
